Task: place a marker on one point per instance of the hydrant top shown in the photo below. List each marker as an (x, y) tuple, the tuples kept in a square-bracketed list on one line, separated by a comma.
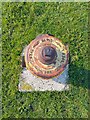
[(46, 56)]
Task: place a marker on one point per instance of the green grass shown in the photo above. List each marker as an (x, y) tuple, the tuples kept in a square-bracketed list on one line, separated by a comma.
[(21, 23)]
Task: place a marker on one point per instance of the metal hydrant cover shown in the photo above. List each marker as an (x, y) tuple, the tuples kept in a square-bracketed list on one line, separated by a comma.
[(46, 56)]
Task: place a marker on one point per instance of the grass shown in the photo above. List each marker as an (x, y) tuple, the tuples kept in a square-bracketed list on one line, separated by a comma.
[(21, 23)]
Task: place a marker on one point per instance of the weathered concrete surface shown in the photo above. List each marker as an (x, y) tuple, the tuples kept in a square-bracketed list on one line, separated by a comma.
[(29, 82)]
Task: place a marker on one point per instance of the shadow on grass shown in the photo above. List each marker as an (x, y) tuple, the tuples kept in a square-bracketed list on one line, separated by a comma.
[(78, 76)]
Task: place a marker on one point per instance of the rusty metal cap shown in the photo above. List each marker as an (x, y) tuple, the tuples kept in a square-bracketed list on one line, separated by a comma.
[(46, 56)]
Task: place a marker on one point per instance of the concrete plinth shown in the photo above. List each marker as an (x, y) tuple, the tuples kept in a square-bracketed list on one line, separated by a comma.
[(29, 82)]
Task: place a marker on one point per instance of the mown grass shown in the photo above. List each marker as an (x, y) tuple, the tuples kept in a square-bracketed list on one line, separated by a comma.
[(21, 23)]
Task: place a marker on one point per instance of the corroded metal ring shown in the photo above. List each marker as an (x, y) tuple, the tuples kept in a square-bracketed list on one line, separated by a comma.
[(46, 56)]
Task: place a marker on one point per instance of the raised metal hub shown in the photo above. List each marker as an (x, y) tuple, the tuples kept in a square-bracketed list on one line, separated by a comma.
[(48, 55)]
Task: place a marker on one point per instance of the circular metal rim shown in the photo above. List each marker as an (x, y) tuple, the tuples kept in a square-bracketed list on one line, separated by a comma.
[(37, 73)]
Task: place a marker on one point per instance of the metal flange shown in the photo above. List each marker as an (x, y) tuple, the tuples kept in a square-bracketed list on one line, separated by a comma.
[(46, 56)]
